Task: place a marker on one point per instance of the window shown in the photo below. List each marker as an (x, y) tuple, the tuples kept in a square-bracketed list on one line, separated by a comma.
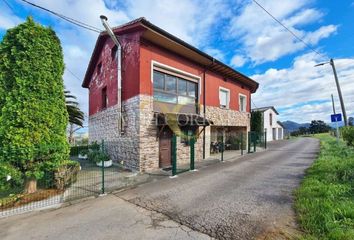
[(224, 96), (99, 68), (175, 90), (270, 119), (114, 52), (242, 103), (104, 98)]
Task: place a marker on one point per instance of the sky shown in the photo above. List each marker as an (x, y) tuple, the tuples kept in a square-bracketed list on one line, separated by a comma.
[(237, 32)]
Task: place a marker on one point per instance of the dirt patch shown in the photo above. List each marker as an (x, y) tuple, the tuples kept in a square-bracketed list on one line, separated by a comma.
[(22, 199)]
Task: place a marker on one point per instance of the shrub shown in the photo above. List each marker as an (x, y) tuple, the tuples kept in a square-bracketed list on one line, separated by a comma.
[(348, 135), (9, 177), (98, 156)]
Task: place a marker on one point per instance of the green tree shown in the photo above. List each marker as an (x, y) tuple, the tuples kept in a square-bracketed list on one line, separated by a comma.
[(319, 126), (257, 121), (33, 117)]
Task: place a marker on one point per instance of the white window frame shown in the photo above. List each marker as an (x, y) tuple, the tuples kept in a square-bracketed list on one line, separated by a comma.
[(176, 70), (239, 102), (228, 97)]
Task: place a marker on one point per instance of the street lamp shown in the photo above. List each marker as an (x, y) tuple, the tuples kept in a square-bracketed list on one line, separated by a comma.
[(331, 62)]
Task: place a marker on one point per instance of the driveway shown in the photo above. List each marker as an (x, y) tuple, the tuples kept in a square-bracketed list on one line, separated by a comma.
[(248, 198)]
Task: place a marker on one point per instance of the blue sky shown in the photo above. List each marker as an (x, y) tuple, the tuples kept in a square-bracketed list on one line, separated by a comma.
[(237, 32)]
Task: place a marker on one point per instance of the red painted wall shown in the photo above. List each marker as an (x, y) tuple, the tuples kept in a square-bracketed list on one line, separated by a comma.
[(150, 52), (136, 74), (109, 73), (107, 78)]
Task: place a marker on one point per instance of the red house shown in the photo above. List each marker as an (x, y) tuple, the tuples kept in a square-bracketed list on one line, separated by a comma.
[(157, 86)]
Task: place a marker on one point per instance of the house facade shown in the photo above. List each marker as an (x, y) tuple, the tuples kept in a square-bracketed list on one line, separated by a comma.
[(273, 128), (162, 86)]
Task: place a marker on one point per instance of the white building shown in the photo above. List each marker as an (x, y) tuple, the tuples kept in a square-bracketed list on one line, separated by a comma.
[(271, 125)]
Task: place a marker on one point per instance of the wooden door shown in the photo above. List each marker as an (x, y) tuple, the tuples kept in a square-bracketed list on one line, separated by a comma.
[(165, 148)]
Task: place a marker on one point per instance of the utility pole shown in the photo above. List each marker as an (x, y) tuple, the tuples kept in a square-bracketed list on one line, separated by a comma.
[(331, 62), (339, 93), (334, 112)]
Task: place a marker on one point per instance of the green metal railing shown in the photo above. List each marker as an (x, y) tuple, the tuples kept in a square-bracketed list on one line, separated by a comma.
[(256, 139)]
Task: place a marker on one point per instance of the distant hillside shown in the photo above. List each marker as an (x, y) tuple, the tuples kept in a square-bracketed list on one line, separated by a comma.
[(291, 126)]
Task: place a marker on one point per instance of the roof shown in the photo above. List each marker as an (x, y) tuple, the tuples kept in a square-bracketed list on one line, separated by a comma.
[(281, 124), (166, 40), (263, 109)]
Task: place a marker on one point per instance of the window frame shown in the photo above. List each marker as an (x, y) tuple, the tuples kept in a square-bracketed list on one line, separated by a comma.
[(240, 95), (271, 119), (99, 68), (227, 98), (114, 51), (176, 93), (104, 98)]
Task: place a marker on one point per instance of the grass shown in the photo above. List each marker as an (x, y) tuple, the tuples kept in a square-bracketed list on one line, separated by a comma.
[(325, 200)]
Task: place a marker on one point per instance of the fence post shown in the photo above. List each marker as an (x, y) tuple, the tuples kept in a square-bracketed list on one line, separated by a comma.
[(174, 157), (192, 141), (254, 143), (102, 168), (241, 143), (222, 148), (249, 142), (265, 140)]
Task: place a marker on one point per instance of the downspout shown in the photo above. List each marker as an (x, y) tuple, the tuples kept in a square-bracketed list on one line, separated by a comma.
[(204, 104), (119, 69)]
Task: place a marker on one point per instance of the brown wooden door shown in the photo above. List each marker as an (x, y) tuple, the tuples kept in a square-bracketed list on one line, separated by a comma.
[(165, 148)]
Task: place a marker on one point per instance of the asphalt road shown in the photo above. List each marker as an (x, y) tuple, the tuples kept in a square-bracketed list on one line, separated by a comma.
[(248, 198)]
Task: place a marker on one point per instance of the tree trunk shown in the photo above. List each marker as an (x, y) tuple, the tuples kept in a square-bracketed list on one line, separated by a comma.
[(31, 185)]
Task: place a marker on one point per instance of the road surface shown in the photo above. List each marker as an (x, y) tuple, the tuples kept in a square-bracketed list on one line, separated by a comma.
[(248, 198)]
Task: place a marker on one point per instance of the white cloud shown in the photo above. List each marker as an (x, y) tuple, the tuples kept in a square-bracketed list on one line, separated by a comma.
[(7, 19), (265, 40), (307, 86), (215, 53), (238, 61), (189, 20)]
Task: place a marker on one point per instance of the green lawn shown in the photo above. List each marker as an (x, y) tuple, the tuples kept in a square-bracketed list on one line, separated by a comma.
[(325, 199)]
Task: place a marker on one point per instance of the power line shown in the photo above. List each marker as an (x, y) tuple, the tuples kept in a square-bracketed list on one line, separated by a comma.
[(73, 74), (292, 33), (74, 21), (71, 20), (9, 6)]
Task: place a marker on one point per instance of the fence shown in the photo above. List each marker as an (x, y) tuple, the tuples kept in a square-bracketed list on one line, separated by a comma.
[(228, 145), (256, 140), (89, 172)]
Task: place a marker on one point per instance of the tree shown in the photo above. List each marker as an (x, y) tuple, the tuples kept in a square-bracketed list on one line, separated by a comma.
[(319, 126), (76, 116), (351, 121), (33, 115), (257, 121)]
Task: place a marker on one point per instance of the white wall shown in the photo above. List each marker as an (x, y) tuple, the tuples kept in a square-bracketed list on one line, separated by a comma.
[(269, 128)]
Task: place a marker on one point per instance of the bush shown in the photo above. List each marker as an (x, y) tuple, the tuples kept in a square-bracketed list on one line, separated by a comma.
[(98, 156), (348, 135), (9, 177)]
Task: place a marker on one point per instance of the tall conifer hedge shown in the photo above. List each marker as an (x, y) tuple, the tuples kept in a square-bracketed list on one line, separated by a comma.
[(33, 116)]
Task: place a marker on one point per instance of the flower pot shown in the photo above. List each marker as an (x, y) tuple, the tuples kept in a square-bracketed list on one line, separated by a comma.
[(105, 163), (83, 156)]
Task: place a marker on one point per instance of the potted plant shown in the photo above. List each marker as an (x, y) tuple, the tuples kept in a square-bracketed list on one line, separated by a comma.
[(100, 158), (83, 154)]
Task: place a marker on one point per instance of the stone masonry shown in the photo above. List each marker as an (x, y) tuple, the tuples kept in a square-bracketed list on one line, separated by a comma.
[(138, 145)]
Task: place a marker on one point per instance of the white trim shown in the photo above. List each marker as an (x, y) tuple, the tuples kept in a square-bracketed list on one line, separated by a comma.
[(228, 96), (239, 105), (176, 70)]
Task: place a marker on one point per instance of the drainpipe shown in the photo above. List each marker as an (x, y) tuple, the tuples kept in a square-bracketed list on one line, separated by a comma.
[(204, 100), (119, 63)]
